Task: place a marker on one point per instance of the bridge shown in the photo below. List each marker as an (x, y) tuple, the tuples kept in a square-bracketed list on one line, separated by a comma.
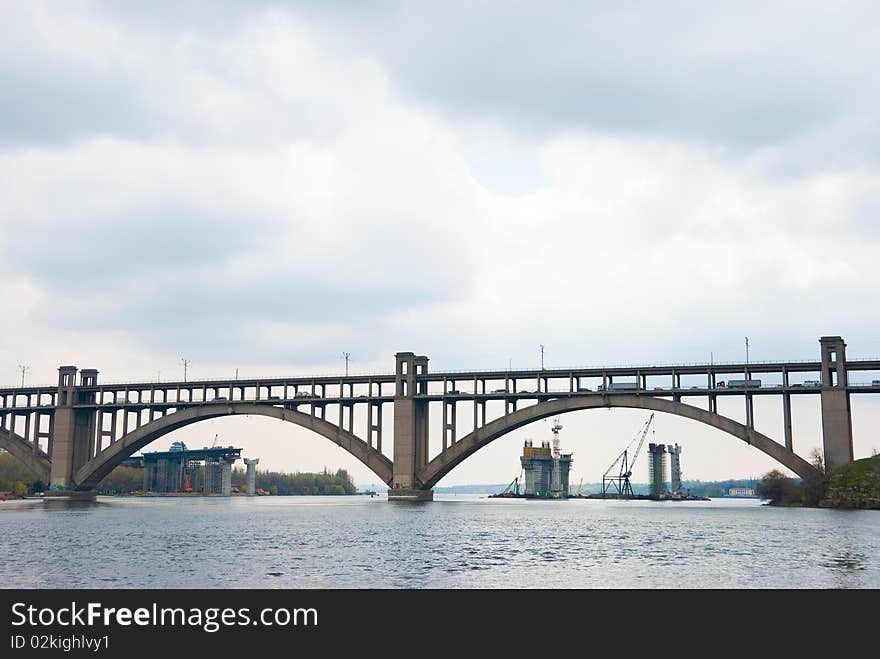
[(73, 434)]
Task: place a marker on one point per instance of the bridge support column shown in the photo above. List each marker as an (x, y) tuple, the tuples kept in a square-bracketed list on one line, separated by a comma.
[(252, 476), (786, 421), (836, 415), (72, 429), (410, 429)]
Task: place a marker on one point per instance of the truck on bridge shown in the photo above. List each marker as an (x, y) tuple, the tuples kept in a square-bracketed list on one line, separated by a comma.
[(743, 384), (619, 386)]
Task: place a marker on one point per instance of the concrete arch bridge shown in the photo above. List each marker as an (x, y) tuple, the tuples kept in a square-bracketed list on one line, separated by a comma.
[(75, 433)]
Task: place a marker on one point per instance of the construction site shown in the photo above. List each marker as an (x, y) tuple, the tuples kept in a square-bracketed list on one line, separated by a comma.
[(205, 471), (545, 472)]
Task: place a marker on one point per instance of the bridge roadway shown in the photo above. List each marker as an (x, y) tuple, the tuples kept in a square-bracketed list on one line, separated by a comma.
[(96, 417), (279, 387)]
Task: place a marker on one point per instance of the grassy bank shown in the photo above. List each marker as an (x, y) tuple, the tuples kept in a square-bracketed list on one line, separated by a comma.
[(856, 485)]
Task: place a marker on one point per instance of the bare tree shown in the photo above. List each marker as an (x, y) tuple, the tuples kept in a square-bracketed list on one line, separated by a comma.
[(817, 460)]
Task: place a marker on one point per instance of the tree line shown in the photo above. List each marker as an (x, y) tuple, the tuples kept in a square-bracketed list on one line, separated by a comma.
[(781, 490), (280, 483), (16, 478)]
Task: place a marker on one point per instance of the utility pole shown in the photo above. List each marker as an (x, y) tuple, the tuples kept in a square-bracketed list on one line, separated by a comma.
[(236, 374), (346, 356), (24, 369), (542, 356), (185, 363)]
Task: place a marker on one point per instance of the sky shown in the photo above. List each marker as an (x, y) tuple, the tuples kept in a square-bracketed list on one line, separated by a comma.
[(263, 186)]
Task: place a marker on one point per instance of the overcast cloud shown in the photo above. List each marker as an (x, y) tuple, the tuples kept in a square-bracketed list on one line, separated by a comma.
[(265, 185)]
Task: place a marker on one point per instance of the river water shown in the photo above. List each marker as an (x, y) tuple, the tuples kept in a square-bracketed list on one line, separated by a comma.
[(463, 541)]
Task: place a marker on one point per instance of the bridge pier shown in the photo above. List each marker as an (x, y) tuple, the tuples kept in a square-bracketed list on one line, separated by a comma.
[(252, 476), (410, 494), (72, 495), (837, 440), (73, 428), (410, 429)]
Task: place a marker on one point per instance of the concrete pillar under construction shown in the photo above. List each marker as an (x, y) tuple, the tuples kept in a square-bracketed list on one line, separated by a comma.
[(657, 470), (675, 468), (226, 477), (251, 475)]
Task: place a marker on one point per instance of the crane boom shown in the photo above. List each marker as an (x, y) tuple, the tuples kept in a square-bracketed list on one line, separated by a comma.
[(641, 443), (626, 460)]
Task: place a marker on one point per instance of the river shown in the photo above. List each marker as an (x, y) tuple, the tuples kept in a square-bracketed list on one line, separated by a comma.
[(456, 541)]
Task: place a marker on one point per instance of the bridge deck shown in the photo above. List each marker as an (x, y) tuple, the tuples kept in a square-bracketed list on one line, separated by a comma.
[(25, 399), (321, 401)]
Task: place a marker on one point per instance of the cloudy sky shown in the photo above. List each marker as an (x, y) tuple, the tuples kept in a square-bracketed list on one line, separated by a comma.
[(264, 185)]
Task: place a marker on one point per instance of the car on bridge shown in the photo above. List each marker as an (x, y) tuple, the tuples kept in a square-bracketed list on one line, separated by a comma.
[(306, 394), (812, 383), (454, 392), (875, 383), (584, 389), (499, 391)]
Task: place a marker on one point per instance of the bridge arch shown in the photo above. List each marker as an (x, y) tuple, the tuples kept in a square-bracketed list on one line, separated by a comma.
[(90, 474), (23, 451), (474, 441)]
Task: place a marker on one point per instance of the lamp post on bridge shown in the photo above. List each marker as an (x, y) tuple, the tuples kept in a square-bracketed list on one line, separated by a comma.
[(186, 363), (24, 369), (346, 356), (747, 358)]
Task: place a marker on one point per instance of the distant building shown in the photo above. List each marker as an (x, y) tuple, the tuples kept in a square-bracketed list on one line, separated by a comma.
[(741, 492)]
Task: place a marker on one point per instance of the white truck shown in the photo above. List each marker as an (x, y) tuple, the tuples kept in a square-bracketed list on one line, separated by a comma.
[(743, 384)]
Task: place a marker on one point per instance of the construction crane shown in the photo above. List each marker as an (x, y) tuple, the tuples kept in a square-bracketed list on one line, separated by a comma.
[(555, 478), (626, 461), (556, 428), (512, 490)]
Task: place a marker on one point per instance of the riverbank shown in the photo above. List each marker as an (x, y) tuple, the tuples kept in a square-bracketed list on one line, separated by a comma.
[(854, 486)]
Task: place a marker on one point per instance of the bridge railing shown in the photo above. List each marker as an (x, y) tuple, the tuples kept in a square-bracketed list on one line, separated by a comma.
[(436, 371)]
